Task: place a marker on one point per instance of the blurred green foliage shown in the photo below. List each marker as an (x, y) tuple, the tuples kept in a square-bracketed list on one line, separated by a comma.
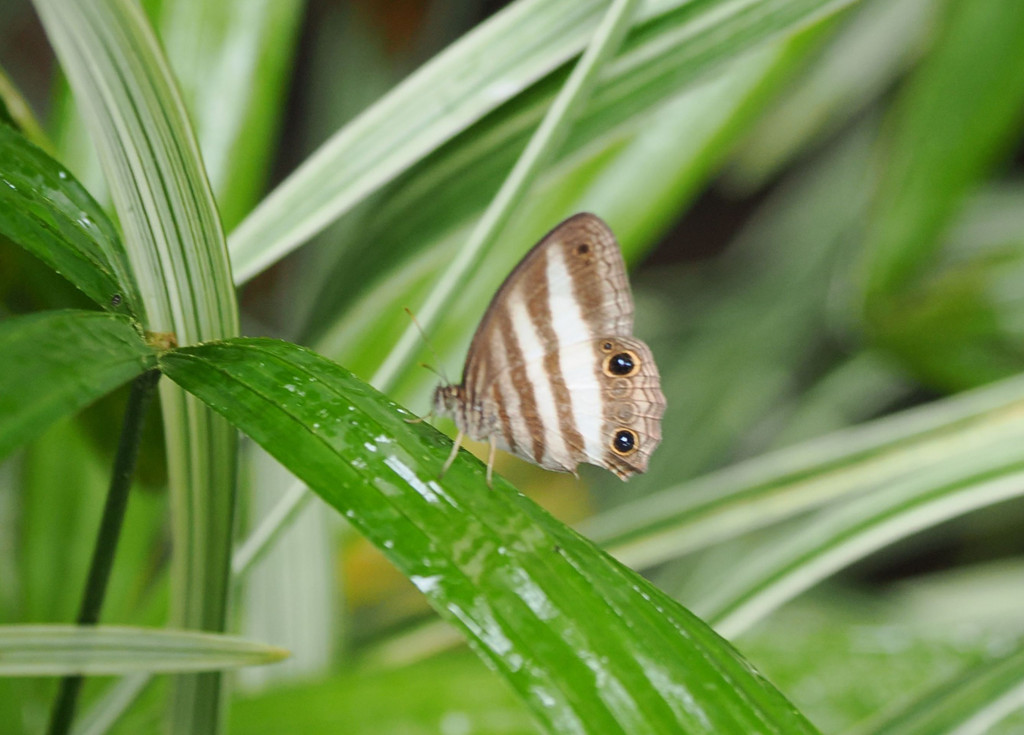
[(827, 227)]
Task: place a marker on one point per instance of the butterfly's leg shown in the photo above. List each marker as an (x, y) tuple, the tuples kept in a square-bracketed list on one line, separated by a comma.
[(451, 457), (420, 419), (490, 462)]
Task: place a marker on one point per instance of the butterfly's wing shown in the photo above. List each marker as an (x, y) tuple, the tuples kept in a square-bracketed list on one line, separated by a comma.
[(617, 403), (535, 375), (577, 264)]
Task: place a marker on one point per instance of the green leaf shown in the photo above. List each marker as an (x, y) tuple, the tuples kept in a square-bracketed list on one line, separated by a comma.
[(166, 211), (989, 472), (138, 123), (970, 88), (656, 73), (545, 139), (15, 111), (230, 59), (590, 645), (64, 650), (974, 701), (862, 61), (54, 363), (783, 484), (671, 44), (46, 211), (969, 297), (362, 702), (51, 551), (953, 123), (835, 646)]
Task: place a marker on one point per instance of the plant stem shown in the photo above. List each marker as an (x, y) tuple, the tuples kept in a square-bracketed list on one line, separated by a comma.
[(107, 538)]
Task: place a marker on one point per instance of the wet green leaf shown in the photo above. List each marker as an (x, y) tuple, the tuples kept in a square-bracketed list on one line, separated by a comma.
[(54, 363), (589, 644), (46, 211)]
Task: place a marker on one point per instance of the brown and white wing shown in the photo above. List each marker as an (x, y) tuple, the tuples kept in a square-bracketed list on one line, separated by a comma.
[(574, 280), (617, 402), (532, 367)]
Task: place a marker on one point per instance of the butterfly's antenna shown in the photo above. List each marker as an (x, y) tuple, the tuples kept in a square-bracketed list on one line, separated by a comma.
[(438, 372), (434, 370)]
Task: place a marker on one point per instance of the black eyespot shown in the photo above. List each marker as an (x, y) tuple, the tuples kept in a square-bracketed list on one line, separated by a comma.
[(583, 248), (624, 441), (115, 300), (621, 364)]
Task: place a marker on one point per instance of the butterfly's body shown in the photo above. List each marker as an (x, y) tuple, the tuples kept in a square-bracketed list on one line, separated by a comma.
[(554, 374)]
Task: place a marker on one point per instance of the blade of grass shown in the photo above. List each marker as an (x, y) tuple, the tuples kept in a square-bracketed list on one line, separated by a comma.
[(974, 702), (18, 113), (411, 121), (791, 481), (879, 41), (112, 705), (279, 518), (672, 44), (669, 58), (230, 59), (176, 246), (837, 537), (544, 141), (292, 597), (970, 87), (165, 207), (59, 650)]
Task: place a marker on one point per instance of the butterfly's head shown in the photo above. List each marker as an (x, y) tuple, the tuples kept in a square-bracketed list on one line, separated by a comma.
[(446, 399)]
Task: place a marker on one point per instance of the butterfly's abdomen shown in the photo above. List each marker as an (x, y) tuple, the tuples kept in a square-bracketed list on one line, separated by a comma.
[(465, 409)]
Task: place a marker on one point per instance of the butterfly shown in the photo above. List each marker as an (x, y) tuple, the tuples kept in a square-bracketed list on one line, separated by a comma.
[(554, 374)]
